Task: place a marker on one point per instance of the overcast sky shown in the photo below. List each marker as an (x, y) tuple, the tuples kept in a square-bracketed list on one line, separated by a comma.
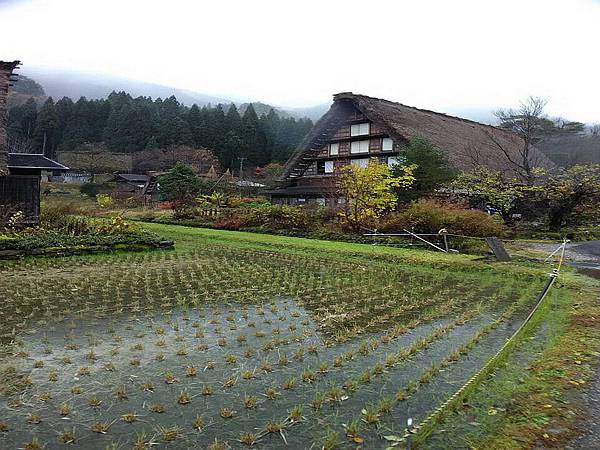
[(435, 54)]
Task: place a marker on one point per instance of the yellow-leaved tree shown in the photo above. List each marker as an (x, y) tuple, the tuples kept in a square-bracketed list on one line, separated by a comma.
[(369, 191)]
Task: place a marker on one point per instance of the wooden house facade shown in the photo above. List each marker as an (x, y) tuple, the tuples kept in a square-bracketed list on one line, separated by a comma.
[(20, 173), (358, 128)]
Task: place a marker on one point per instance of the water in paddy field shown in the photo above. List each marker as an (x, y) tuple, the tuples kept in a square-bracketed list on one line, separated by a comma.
[(156, 358), (157, 373)]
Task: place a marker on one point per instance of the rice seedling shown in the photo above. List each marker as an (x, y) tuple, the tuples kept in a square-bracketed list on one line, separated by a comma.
[(308, 376), (353, 429), (385, 405), (207, 390), (365, 377), (84, 371), (45, 397), (274, 427), (317, 401), (184, 398), (229, 382), (121, 392), (67, 436), (34, 419), (283, 360), (378, 369), (4, 427), (218, 445), (100, 427), (295, 414), (191, 371), (248, 374), (330, 440), (135, 362), (170, 378), (248, 438), (64, 409), (290, 383), (271, 393), (230, 358), (227, 413), (157, 408), (182, 351), (38, 364), (76, 390), (370, 415), (148, 386), (169, 434), (250, 401), (94, 401), (33, 444), (350, 385), (199, 423), (299, 354), (130, 417)]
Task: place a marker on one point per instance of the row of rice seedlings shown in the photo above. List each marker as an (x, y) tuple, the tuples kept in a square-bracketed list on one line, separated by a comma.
[(371, 414)]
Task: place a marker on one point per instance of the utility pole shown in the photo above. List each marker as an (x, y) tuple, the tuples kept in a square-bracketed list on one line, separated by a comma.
[(44, 145), (241, 166), (241, 158)]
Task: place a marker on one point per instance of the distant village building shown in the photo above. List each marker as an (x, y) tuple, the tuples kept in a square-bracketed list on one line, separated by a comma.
[(20, 173), (357, 128)]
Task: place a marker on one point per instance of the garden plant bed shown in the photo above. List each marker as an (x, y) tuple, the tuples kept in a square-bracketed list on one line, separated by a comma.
[(239, 339)]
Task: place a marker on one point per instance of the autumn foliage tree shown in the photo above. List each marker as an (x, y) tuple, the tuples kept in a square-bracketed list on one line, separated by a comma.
[(369, 191), (491, 188), (569, 191)]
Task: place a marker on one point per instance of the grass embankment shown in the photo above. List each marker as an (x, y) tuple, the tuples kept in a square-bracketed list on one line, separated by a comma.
[(529, 401)]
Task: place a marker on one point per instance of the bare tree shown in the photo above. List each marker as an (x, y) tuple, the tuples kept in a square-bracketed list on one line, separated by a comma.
[(529, 123), (595, 129)]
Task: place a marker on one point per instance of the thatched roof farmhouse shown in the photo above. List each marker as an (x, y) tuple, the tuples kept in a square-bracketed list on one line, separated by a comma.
[(357, 128)]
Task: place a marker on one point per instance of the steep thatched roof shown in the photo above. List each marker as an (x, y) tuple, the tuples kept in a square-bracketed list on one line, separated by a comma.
[(6, 69), (467, 143)]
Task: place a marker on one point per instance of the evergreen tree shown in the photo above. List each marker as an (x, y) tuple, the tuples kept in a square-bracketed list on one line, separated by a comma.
[(172, 127), (126, 124), (22, 119), (46, 127), (253, 136)]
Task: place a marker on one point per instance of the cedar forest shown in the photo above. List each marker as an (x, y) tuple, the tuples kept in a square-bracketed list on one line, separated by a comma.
[(127, 124)]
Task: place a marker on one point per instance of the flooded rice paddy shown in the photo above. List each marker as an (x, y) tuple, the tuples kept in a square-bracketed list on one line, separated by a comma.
[(224, 347)]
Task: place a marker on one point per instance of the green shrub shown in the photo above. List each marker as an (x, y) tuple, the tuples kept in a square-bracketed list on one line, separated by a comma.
[(430, 216), (93, 189), (104, 200)]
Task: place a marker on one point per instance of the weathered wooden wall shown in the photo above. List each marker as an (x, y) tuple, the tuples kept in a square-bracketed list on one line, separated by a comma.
[(6, 69), (20, 193)]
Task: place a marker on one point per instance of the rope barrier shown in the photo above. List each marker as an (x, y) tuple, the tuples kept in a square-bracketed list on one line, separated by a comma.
[(418, 434)]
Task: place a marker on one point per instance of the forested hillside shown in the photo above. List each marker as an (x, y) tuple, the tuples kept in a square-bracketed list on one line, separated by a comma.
[(127, 124)]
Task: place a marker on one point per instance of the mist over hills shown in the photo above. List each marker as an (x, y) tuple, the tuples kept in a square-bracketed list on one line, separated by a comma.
[(63, 83), (60, 83)]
